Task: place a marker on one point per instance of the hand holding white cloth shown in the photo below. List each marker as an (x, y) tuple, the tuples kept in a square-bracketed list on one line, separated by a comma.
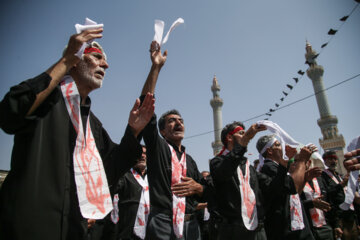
[(89, 24), (284, 138), (159, 30)]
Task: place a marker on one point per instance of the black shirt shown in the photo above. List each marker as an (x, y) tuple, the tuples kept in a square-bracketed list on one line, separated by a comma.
[(129, 191), (336, 196), (224, 173), (40, 189), (278, 220), (159, 171)]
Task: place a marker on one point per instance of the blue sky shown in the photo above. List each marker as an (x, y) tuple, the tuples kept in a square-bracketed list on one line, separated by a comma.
[(254, 47)]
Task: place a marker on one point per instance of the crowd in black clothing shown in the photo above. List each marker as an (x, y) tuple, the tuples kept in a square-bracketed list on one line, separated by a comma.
[(69, 181)]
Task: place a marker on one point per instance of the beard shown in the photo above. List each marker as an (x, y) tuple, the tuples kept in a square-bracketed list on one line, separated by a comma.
[(86, 75)]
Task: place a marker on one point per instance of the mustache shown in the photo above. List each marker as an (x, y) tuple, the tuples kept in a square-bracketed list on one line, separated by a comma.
[(100, 70)]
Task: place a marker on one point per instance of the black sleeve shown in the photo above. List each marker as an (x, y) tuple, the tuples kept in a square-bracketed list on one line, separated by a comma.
[(210, 193), (280, 183), (119, 158), (335, 193), (18, 101), (150, 133), (120, 186), (196, 175), (222, 168), (270, 170)]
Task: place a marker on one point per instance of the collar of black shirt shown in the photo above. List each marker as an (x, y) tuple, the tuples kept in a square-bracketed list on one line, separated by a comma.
[(176, 148)]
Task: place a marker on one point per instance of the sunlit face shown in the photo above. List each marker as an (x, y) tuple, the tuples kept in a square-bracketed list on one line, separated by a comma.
[(174, 128), (91, 69), (331, 162), (238, 135), (276, 150)]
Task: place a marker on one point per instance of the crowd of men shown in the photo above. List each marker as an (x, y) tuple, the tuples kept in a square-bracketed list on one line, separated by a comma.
[(69, 180)]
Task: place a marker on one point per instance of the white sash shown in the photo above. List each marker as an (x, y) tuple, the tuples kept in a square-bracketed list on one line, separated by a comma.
[(332, 176), (348, 205), (317, 215), (296, 216), (178, 170), (90, 178), (144, 206), (248, 201)]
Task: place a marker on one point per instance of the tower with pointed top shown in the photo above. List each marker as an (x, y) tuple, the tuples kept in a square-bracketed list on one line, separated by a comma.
[(331, 139), (216, 103)]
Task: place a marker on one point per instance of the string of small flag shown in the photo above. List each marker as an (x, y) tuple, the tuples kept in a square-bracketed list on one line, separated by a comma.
[(300, 73), (284, 106)]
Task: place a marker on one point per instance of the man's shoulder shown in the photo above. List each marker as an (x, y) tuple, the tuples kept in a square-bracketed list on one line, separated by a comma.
[(269, 167), (270, 164), (216, 159), (190, 160), (95, 119)]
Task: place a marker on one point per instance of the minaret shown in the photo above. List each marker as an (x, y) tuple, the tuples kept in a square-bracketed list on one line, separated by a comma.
[(216, 103), (331, 139)]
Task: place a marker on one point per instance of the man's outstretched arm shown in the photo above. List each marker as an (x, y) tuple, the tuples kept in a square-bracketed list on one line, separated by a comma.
[(158, 60)]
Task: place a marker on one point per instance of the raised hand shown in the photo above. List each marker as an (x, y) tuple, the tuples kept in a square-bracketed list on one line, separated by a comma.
[(290, 151), (306, 152), (141, 115), (157, 58), (351, 162), (187, 187), (77, 40), (345, 180), (312, 173), (250, 133)]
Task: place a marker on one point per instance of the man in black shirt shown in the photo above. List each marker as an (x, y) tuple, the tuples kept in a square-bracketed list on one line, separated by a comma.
[(173, 175), (316, 197), (51, 119), (129, 192), (343, 222), (278, 219), (241, 189)]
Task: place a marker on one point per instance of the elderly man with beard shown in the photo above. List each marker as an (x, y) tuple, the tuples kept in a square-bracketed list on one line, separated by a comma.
[(63, 160), (173, 174)]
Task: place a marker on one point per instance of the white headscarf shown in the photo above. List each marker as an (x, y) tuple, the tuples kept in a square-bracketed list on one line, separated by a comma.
[(284, 138)]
